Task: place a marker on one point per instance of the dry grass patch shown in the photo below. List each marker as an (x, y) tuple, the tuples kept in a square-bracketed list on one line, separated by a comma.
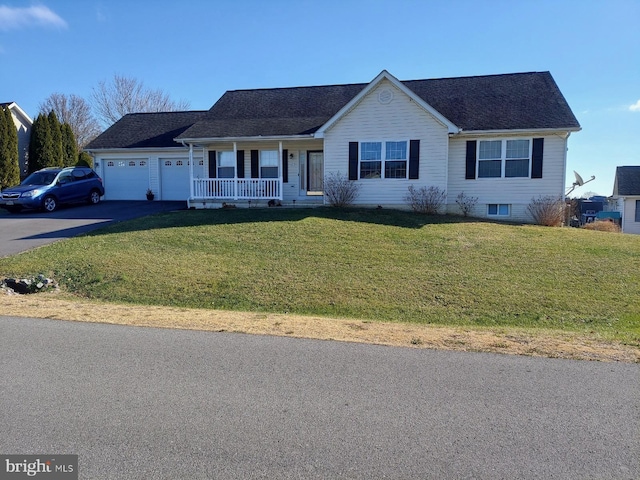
[(546, 343)]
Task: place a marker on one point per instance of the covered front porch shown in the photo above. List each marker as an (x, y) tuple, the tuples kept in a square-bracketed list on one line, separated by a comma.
[(256, 171)]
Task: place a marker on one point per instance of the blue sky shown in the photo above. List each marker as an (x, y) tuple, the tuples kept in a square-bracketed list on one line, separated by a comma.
[(196, 50)]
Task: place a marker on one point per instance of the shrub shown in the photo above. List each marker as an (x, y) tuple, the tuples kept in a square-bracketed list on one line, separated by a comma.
[(425, 200), (466, 203), (603, 226), (547, 210), (339, 190), (84, 160)]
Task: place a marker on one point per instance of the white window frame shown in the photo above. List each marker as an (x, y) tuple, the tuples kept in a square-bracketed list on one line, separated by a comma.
[(231, 162), (503, 156), (498, 207), (383, 159), (262, 159)]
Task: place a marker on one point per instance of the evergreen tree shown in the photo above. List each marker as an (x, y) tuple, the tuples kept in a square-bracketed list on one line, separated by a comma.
[(57, 143), (69, 146), (9, 164), (41, 151), (85, 160)]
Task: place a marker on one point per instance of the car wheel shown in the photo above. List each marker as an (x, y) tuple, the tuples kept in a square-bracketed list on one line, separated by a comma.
[(49, 204), (94, 197)]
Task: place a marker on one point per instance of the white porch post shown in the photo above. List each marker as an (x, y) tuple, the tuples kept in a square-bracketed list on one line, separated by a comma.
[(235, 171), (280, 163), (190, 170)]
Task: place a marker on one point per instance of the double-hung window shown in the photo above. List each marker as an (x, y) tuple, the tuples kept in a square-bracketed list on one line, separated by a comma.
[(504, 158), (371, 160), (395, 165), (226, 165), (392, 154), (268, 164)]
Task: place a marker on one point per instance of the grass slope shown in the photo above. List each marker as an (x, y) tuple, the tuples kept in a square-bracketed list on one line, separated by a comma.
[(367, 264)]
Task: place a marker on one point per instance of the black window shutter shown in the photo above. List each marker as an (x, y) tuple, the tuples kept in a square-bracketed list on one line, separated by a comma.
[(536, 157), (285, 165), (414, 159), (470, 172), (353, 160), (240, 163), (213, 168), (254, 164)]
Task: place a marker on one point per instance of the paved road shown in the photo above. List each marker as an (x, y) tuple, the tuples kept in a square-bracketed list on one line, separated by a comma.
[(29, 229), (153, 403)]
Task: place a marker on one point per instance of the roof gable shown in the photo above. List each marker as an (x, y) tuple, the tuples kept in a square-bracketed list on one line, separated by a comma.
[(20, 114), (146, 130), (384, 75), (627, 181)]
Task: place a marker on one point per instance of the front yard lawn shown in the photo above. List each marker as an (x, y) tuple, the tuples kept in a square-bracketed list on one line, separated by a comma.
[(368, 264)]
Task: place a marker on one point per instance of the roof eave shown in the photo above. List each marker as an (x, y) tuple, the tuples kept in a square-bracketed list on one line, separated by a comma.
[(517, 131), (257, 138), (177, 148)]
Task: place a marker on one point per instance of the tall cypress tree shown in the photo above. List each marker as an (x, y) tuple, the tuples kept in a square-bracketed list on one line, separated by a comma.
[(9, 163), (56, 136), (41, 151), (69, 145)]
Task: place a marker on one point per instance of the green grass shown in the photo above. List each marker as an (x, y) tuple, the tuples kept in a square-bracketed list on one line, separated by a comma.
[(373, 264)]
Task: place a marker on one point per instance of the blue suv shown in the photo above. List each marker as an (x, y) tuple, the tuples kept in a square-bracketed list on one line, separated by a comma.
[(50, 187)]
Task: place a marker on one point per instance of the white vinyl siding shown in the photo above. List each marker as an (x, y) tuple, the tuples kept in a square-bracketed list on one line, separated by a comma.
[(515, 191), (400, 119)]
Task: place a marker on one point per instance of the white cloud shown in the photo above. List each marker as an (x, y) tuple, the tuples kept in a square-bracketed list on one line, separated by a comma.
[(38, 15), (635, 107)]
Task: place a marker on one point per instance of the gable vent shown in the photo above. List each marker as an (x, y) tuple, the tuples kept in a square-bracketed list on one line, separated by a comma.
[(385, 96)]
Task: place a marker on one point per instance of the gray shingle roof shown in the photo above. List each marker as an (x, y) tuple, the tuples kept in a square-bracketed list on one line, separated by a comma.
[(494, 102), (146, 130), (627, 181), (277, 111)]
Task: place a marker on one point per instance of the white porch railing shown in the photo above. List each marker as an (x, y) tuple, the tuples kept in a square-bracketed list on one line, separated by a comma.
[(237, 189)]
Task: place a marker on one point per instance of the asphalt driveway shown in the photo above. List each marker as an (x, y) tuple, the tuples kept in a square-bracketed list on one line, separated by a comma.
[(26, 230)]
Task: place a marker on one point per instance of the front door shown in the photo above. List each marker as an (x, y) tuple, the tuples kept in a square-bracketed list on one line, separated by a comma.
[(315, 172)]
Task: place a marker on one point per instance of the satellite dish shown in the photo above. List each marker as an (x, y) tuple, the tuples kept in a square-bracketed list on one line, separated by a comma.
[(578, 183)]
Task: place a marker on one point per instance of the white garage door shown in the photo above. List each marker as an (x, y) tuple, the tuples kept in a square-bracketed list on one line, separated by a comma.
[(174, 177), (125, 179)]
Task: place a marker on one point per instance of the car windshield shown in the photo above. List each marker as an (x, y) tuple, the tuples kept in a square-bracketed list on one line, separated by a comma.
[(40, 178)]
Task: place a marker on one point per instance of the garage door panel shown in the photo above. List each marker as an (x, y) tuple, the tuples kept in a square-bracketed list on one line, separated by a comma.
[(174, 177), (125, 179)]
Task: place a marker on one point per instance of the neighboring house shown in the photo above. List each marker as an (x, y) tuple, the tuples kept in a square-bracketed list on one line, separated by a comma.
[(501, 138), (626, 190), (23, 125)]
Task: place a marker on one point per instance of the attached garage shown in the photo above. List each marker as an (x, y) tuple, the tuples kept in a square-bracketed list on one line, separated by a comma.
[(138, 152)]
